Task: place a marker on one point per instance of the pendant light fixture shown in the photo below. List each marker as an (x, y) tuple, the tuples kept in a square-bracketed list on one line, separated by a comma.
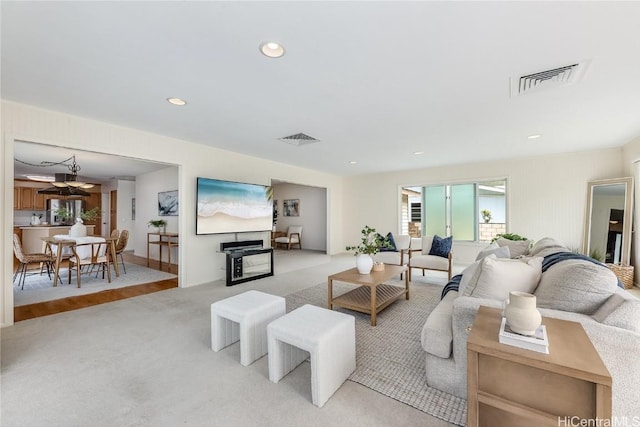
[(70, 180), (64, 184)]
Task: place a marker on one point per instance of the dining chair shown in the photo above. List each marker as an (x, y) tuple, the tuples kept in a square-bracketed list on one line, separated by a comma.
[(115, 233), (121, 244), (24, 259), (97, 257)]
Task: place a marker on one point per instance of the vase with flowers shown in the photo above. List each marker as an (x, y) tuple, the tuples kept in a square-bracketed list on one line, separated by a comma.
[(158, 225), (370, 244)]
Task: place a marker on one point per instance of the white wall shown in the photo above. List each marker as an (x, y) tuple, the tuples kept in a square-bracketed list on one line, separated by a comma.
[(313, 213), (147, 187), (546, 194), (631, 153), (23, 122)]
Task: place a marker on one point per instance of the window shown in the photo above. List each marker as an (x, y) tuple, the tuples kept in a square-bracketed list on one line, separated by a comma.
[(473, 211), (416, 212)]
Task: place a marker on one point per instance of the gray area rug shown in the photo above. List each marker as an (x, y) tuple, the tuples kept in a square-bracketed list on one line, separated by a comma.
[(40, 288), (389, 356)]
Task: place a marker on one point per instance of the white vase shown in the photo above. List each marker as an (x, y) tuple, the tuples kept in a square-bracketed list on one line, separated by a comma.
[(364, 263), (78, 229), (522, 315)]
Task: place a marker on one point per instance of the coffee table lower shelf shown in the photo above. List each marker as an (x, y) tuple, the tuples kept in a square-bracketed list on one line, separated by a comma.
[(359, 299)]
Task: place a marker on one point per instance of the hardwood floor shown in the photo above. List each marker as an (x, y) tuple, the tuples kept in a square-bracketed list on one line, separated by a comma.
[(81, 301)]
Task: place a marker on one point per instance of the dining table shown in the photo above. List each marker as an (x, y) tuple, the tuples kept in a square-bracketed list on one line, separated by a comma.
[(60, 245)]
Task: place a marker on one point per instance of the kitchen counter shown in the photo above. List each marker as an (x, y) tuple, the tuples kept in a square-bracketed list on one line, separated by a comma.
[(22, 227), (32, 235)]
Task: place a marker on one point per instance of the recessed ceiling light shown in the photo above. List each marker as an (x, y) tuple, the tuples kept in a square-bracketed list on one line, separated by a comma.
[(417, 153), (534, 136), (352, 162), (177, 101), (272, 49)]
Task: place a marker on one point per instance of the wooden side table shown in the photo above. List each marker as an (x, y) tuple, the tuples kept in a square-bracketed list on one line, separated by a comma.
[(509, 386)]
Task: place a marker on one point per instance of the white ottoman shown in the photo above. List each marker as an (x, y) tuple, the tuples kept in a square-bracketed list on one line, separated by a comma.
[(245, 317), (329, 337)]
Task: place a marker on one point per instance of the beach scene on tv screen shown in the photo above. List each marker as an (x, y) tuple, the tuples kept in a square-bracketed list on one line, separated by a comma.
[(231, 207)]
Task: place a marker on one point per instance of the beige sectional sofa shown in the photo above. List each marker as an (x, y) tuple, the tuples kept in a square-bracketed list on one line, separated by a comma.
[(571, 289)]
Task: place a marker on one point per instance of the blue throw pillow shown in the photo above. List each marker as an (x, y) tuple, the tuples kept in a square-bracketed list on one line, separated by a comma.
[(393, 247), (441, 246)]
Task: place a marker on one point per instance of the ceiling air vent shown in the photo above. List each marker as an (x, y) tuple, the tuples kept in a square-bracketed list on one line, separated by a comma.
[(299, 139), (548, 79)]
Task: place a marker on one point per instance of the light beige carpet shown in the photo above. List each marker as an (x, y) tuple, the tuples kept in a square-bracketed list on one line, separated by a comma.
[(389, 356)]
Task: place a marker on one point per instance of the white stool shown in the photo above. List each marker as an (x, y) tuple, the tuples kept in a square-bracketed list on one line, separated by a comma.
[(328, 336), (245, 317)]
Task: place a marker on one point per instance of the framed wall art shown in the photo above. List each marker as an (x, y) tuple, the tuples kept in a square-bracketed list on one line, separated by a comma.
[(168, 203), (291, 207)]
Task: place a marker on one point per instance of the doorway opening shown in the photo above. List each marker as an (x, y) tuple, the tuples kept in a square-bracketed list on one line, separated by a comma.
[(110, 173)]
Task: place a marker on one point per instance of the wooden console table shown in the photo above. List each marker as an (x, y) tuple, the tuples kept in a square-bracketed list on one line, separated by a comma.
[(170, 240), (511, 386)]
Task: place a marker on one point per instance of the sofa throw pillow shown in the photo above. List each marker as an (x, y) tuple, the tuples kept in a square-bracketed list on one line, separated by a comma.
[(494, 249), (496, 277), (392, 242), (577, 286), (489, 248), (468, 274), (517, 248), (441, 246)]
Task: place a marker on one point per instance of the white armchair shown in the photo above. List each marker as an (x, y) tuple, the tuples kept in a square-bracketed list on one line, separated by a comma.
[(398, 257), (293, 237), (420, 258)]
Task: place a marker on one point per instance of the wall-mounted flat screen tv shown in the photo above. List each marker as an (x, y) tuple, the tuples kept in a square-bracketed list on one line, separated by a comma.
[(233, 207)]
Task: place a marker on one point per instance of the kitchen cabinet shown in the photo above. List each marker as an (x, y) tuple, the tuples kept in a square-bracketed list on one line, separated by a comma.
[(28, 198), (39, 201)]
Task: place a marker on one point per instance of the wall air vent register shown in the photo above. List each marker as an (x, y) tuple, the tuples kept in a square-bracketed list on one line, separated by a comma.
[(299, 139)]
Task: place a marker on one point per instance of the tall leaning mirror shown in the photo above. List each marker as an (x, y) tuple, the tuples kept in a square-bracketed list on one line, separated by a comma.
[(607, 230)]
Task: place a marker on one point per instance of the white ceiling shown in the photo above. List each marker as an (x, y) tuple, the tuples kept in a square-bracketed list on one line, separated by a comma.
[(97, 168), (374, 81)]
